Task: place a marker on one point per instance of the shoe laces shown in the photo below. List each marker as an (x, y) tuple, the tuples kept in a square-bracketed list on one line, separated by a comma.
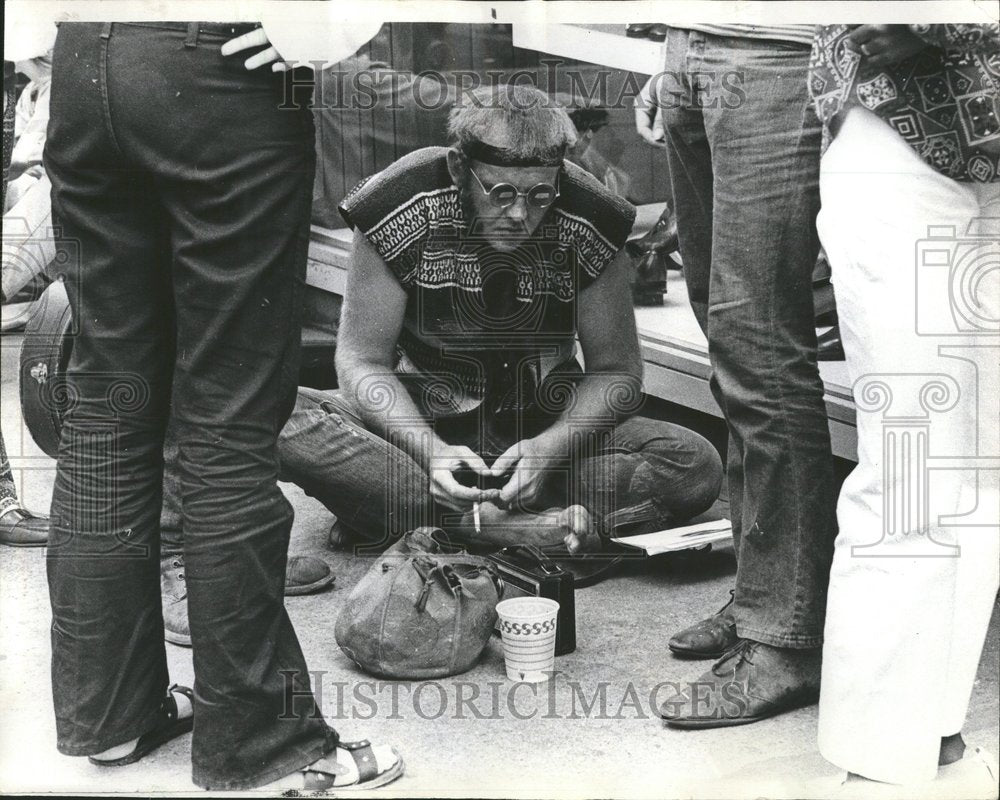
[(729, 602), (742, 652)]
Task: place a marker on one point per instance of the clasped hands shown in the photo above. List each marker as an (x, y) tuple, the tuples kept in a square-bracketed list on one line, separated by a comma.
[(527, 462)]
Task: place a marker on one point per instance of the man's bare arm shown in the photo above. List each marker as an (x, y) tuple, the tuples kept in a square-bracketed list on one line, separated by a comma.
[(370, 324), (612, 384)]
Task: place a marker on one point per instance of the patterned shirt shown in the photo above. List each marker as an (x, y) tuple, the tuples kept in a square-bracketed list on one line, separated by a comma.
[(944, 101), (484, 327)]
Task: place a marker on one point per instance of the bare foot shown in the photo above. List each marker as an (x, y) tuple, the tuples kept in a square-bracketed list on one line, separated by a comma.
[(570, 526)]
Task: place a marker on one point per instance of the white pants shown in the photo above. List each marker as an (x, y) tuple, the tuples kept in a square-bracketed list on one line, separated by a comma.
[(917, 561)]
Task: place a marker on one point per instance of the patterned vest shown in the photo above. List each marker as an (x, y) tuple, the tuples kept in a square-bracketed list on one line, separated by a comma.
[(481, 326)]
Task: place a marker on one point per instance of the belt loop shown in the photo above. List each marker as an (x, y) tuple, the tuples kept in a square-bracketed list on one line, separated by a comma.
[(106, 30), (192, 37)]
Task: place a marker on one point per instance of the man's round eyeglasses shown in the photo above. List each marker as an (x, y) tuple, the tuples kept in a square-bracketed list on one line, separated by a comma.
[(504, 195)]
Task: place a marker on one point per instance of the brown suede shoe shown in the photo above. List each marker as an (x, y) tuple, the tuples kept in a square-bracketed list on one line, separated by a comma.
[(303, 575), (710, 638), (751, 682), (306, 575)]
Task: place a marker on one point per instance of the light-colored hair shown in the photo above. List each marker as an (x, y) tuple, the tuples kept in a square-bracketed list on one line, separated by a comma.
[(522, 121)]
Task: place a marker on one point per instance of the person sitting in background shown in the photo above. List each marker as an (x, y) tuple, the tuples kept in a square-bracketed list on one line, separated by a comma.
[(588, 120), (28, 244), (18, 526), (913, 170), (22, 161), (462, 403)]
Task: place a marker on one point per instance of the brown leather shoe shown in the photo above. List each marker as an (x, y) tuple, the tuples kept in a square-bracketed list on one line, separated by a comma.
[(306, 575), (710, 638), (20, 528), (751, 682), (303, 575)]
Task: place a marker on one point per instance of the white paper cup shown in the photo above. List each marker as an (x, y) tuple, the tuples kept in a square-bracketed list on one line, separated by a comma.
[(528, 631)]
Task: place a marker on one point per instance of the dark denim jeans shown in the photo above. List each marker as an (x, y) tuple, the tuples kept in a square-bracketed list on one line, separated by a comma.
[(186, 190), (744, 169), (646, 475), (650, 474)]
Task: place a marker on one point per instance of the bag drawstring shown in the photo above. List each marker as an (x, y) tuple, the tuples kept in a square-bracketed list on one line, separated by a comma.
[(426, 570)]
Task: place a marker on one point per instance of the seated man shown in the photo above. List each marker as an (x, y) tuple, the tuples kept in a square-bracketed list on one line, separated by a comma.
[(475, 269)]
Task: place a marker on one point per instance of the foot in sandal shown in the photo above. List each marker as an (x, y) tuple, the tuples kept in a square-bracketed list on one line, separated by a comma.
[(353, 766), (174, 719)]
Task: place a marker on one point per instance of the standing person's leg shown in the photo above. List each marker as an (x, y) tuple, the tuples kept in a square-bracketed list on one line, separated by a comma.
[(765, 159), (104, 547), (234, 174), (689, 157), (762, 338), (304, 574), (976, 584), (907, 609)]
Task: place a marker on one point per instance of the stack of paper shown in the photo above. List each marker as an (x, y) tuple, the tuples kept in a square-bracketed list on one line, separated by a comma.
[(685, 538)]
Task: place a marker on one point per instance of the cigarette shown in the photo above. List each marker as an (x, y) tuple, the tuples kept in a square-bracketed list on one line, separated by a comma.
[(475, 517)]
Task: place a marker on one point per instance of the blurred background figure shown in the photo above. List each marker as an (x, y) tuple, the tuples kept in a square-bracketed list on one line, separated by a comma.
[(28, 247), (25, 193), (588, 119)]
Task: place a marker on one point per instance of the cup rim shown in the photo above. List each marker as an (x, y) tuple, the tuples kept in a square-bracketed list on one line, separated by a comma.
[(553, 607)]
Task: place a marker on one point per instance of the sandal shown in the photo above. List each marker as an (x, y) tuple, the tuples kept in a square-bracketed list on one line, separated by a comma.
[(364, 773), (168, 727)]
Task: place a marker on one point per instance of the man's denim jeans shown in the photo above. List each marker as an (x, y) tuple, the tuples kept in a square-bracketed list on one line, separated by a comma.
[(186, 192), (744, 168), (647, 475)]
